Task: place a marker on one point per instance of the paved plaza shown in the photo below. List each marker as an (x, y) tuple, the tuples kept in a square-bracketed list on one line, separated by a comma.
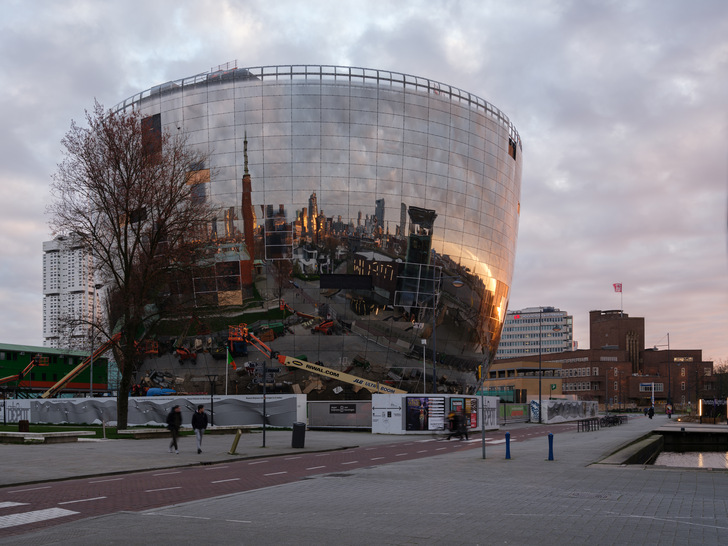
[(456, 498)]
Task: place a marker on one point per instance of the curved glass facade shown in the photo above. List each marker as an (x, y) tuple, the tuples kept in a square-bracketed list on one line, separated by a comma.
[(385, 203)]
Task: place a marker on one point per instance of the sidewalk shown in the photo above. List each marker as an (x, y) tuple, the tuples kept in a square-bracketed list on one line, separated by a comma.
[(89, 457), (454, 498)]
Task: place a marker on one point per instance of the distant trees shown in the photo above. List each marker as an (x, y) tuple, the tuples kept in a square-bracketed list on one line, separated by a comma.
[(135, 195)]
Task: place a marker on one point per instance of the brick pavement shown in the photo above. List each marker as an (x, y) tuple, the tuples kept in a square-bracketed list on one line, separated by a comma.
[(457, 498)]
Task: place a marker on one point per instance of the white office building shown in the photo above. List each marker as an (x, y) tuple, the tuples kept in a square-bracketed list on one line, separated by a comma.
[(536, 330), (68, 293)]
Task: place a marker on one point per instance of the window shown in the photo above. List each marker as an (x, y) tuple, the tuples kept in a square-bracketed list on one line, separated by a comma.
[(682, 385), (682, 372)]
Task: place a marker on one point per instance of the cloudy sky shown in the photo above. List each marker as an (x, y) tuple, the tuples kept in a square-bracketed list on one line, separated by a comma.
[(621, 105)]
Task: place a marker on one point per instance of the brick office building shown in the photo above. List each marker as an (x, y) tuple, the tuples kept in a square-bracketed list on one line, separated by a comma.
[(617, 371)]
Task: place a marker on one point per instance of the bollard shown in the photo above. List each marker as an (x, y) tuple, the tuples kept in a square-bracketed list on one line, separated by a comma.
[(508, 445), (551, 446), (235, 442)]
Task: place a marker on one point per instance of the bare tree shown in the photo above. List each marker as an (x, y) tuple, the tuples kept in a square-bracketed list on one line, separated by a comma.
[(135, 195)]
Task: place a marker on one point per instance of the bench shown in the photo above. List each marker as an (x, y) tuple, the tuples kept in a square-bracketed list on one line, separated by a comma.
[(44, 437), (141, 433)]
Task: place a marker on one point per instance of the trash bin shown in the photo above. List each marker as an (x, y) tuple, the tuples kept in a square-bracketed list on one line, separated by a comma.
[(23, 425), (299, 435)]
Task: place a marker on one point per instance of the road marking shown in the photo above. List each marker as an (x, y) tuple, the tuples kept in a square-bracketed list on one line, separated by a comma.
[(163, 489), (275, 473), (175, 516), (291, 458), (423, 451), (400, 454), (81, 500), (11, 504), (315, 467), (228, 480), (259, 462), (168, 473), (322, 455), (440, 448), (350, 462), (111, 480), (238, 521), (31, 489), (33, 517), (376, 458), (215, 468)]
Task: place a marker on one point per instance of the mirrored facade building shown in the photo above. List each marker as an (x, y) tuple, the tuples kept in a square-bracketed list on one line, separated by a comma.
[(384, 204)]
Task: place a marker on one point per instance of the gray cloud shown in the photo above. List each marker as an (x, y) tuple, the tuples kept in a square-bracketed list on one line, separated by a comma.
[(621, 107)]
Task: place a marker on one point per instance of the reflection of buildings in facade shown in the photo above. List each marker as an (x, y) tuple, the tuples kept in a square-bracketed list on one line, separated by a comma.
[(320, 151)]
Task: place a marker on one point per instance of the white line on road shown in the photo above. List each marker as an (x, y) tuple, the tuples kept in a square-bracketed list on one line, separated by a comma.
[(275, 473), (376, 458), (259, 462), (440, 448), (291, 458), (350, 462), (174, 515), (322, 455), (214, 468), (167, 473), (33, 517), (81, 500), (11, 504), (400, 454), (315, 467), (111, 480), (31, 489), (238, 521), (163, 489), (223, 481), (423, 451)]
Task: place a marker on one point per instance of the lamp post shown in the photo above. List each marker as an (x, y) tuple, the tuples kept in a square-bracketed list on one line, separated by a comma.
[(540, 318), (93, 335), (669, 369), (424, 365), (212, 378)]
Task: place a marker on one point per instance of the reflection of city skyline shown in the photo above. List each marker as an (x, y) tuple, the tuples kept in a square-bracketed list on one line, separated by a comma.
[(321, 170)]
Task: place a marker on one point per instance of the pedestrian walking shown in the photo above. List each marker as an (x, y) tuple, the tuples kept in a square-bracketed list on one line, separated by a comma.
[(174, 422), (199, 424)]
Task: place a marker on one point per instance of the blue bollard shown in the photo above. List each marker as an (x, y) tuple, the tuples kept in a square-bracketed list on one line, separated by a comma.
[(508, 445), (551, 446)]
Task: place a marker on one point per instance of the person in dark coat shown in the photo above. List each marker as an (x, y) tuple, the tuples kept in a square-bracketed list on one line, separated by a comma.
[(651, 412), (199, 424), (174, 422)]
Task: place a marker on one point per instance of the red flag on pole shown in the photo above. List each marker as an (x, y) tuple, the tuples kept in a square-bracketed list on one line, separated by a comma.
[(617, 286)]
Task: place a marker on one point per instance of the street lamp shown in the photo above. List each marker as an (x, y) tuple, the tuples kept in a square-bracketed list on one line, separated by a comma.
[(669, 369), (93, 335), (212, 378), (540, 318)]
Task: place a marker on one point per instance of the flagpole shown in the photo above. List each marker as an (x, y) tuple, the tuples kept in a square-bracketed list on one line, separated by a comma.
[(227, 365)]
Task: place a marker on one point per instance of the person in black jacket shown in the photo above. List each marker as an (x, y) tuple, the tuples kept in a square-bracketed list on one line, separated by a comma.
[(199, 424), (174, 422)]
